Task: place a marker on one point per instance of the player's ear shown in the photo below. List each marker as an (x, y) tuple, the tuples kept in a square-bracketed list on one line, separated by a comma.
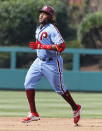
[(50, 17)]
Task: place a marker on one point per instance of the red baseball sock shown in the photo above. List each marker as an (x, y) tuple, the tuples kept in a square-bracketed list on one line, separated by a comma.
[(31, 99), (70, 100)]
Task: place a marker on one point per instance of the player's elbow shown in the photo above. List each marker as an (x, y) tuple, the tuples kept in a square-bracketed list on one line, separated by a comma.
[(61, 47)]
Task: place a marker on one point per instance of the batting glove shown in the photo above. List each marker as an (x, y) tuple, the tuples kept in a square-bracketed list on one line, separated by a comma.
[(38, 45), (35, 45)]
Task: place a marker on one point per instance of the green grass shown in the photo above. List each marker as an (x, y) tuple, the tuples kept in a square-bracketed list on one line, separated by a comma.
[(50, 104)]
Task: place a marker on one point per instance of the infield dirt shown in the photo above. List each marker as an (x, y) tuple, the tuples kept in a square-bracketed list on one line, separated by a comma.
[(49, 124)]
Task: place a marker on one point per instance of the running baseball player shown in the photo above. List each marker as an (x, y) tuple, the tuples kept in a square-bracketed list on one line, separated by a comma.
[(49, 44)]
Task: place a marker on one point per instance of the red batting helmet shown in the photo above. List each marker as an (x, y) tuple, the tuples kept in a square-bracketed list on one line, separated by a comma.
[(48, 9)]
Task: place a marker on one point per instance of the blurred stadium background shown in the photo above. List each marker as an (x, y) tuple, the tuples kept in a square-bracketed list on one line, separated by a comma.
[(80, 22)]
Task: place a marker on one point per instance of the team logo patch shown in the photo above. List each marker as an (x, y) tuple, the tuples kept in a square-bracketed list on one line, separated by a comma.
[(43, 35)]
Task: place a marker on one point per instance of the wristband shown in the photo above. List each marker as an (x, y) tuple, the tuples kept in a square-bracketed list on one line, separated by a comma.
[(47, 47)]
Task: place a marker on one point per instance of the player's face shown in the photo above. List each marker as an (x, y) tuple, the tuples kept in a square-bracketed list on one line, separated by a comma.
[(42, 17)]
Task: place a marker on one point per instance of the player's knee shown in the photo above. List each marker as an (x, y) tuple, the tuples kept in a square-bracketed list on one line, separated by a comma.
[(25, 85), (28, 85)]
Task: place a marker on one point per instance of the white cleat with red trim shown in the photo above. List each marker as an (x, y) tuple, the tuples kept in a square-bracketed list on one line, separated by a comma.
[(31, 117), (76, 115)]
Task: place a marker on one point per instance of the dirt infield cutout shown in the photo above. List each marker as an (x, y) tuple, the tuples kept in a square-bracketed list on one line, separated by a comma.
[(49, 124)]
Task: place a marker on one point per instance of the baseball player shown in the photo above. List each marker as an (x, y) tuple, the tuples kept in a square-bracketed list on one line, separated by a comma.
[(49, 44)]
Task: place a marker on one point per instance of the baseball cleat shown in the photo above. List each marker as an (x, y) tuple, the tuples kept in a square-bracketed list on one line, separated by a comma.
[(31, 117), (76, 115)]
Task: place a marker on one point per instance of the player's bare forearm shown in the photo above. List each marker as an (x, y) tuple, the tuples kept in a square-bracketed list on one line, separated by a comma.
[(54, 47)]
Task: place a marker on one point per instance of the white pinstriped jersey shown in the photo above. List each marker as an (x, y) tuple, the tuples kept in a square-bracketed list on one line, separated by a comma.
[(49, 34)]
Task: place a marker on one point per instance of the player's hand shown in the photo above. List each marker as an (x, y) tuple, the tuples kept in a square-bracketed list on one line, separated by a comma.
[(38, 45), (35, 45)]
